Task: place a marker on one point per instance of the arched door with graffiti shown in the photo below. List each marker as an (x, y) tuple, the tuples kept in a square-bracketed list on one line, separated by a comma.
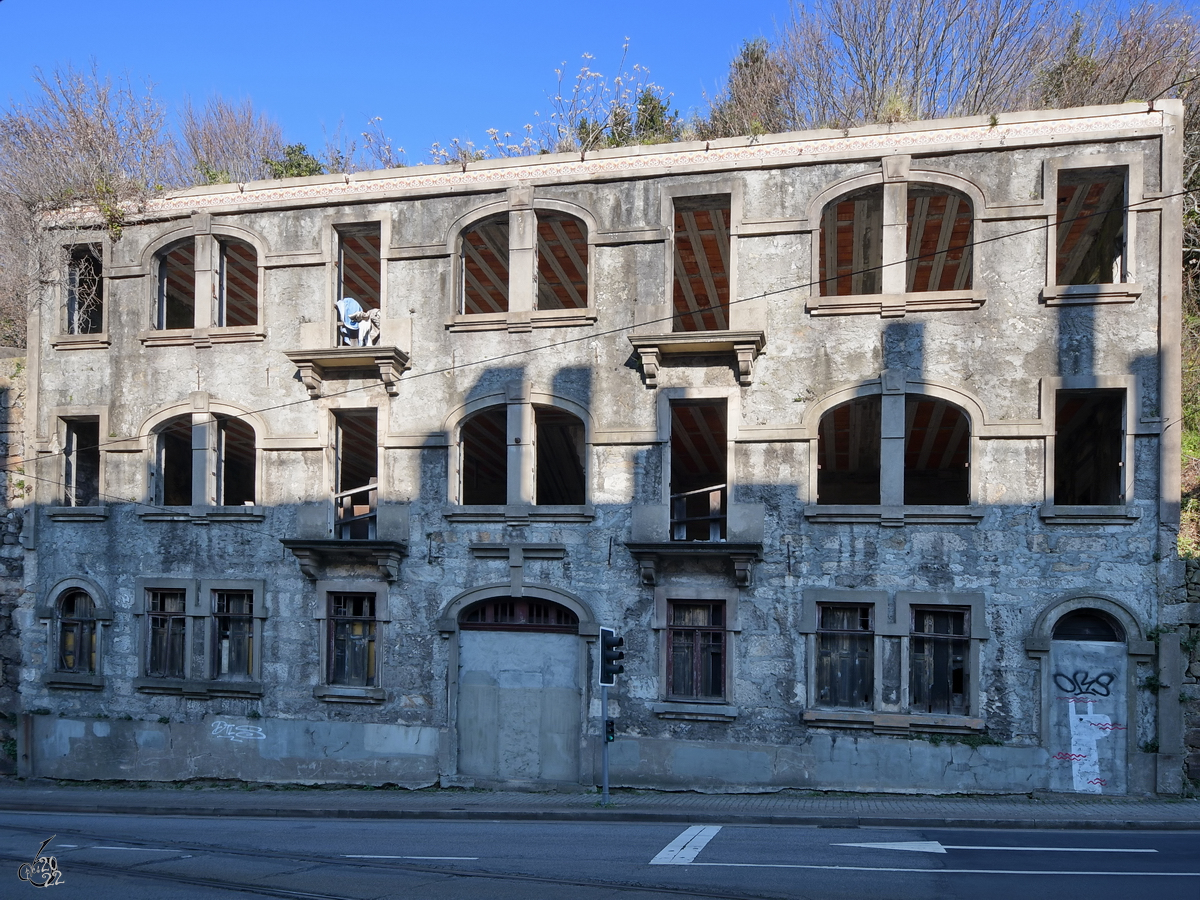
[(519, 709), (1088, 704)]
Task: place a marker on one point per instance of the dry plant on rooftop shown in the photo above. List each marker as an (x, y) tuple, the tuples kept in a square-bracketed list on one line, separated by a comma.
[(226, 142)]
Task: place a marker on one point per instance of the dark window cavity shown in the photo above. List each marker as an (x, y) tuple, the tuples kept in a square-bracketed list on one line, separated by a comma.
[(939, 654), (937, 440), (696, 650), (1088, 448), (81, 462), (701, 264), (518, 614), (484, 456), (699, 479), (1088, 625), (175, 462), (76, 633), (848, 453), (352, 639), (176, 306), (845, 657), (1091, 226), (233, 620), (356, 497), (85, 291), (560, 469), (484, 259)]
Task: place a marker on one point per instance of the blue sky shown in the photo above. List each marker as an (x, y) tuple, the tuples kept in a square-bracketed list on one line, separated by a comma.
[(433, 71)]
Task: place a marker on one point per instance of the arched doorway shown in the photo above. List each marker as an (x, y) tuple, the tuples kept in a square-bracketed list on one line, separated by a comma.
[(520, 690), (1089, 710)]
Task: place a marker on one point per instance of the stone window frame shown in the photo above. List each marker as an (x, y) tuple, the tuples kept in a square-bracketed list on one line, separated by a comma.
[(102, 615), (57, 509), (519, 398), (896, 174), (209, 587), (203, 409), (522, 207), (337, 693), (1133, 427), (892, 618), (198, 682), (725, 709), (894, 384), (206, 232), (63, 338), (1126, 291)]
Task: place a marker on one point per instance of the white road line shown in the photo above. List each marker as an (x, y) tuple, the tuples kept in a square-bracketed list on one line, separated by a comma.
[(139, 849), (947, 871), (682, 850), (371, 856), (935, 847)]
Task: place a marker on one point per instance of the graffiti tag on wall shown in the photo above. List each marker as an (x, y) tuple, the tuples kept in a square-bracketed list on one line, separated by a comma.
[(237, 733), (1083, 684)]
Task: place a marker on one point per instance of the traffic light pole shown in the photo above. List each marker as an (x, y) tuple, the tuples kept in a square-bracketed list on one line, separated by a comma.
[(604, 741)]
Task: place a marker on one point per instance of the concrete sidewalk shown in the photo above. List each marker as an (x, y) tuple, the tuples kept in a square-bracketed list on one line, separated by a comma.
[(783, 808)]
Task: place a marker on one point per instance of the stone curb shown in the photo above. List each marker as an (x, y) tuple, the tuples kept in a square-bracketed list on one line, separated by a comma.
[(617, 814)]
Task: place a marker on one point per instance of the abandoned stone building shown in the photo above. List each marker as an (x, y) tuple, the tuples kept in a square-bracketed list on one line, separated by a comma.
[(866, 442)]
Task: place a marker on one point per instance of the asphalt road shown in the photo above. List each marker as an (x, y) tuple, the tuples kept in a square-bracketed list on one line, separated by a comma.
[(136, 857)]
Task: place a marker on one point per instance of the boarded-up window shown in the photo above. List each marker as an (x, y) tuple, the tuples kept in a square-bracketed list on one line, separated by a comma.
[(851, 246), (177, 286), (360, 264), (562, 262), (696, 650), (699, 480), (85, 291), (701, 265), (168, 631), (939, 654), (1091, 226), (483, 453), (237, 284), (484, 261), (937, 439), (845, 656), (352, 639), (76, 633), (939, 239), (1088, 448), (233, 620), (560, 458), (848, 448), (81, 462)]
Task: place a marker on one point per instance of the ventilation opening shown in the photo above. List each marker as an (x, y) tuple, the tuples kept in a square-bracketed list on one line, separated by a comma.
[(851, 249), (848, 446), (484, 454), (1091, 226), (936, 453), (562, 261), (518, 614), (699, 484), (1088, 625), (701, 289), (177, 287), (485, 266), (1088, 445), (561, 478), (939, 240), (237, 285), (356, 498)]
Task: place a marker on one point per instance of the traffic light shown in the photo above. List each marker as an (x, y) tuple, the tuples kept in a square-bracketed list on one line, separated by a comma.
[(610, 657), (610, 730)]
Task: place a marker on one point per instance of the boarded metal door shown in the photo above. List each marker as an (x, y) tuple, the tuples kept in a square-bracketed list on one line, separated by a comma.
[(1088, 710), (519, 706)]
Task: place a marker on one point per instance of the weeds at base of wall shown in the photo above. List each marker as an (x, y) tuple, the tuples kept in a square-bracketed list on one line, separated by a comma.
[(9, 749), (1150, 746)]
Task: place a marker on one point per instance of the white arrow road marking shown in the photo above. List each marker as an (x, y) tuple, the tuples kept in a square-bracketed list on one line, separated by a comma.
[(682, 850), (935, 847), (369, 856)]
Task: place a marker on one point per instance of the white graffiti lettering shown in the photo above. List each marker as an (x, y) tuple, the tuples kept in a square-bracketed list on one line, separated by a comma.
[(237, 733)]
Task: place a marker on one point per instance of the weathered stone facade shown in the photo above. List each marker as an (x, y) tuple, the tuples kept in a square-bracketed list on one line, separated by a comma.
[(12, 426), (792, 415)]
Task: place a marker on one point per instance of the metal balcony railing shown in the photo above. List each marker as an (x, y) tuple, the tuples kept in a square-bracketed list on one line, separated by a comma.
[(355, 513), (699, 514)]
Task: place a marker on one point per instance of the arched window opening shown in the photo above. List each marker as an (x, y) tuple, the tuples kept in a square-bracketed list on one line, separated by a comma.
[(176, 306), (1088, 625), (848, 453), (237, 284), (175, 462), (77, 633), (235, 462), (937, 440), (484, 259), (518, 614), (562, 261), (851, 246), (939, 239), (561, 473), (484, 454), (228, 447), (701, 264)]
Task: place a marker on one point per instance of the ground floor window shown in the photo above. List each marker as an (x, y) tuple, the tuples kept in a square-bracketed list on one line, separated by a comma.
[(352, 630), (168, 634), (696, 647), (939, 661), (845, 656)]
